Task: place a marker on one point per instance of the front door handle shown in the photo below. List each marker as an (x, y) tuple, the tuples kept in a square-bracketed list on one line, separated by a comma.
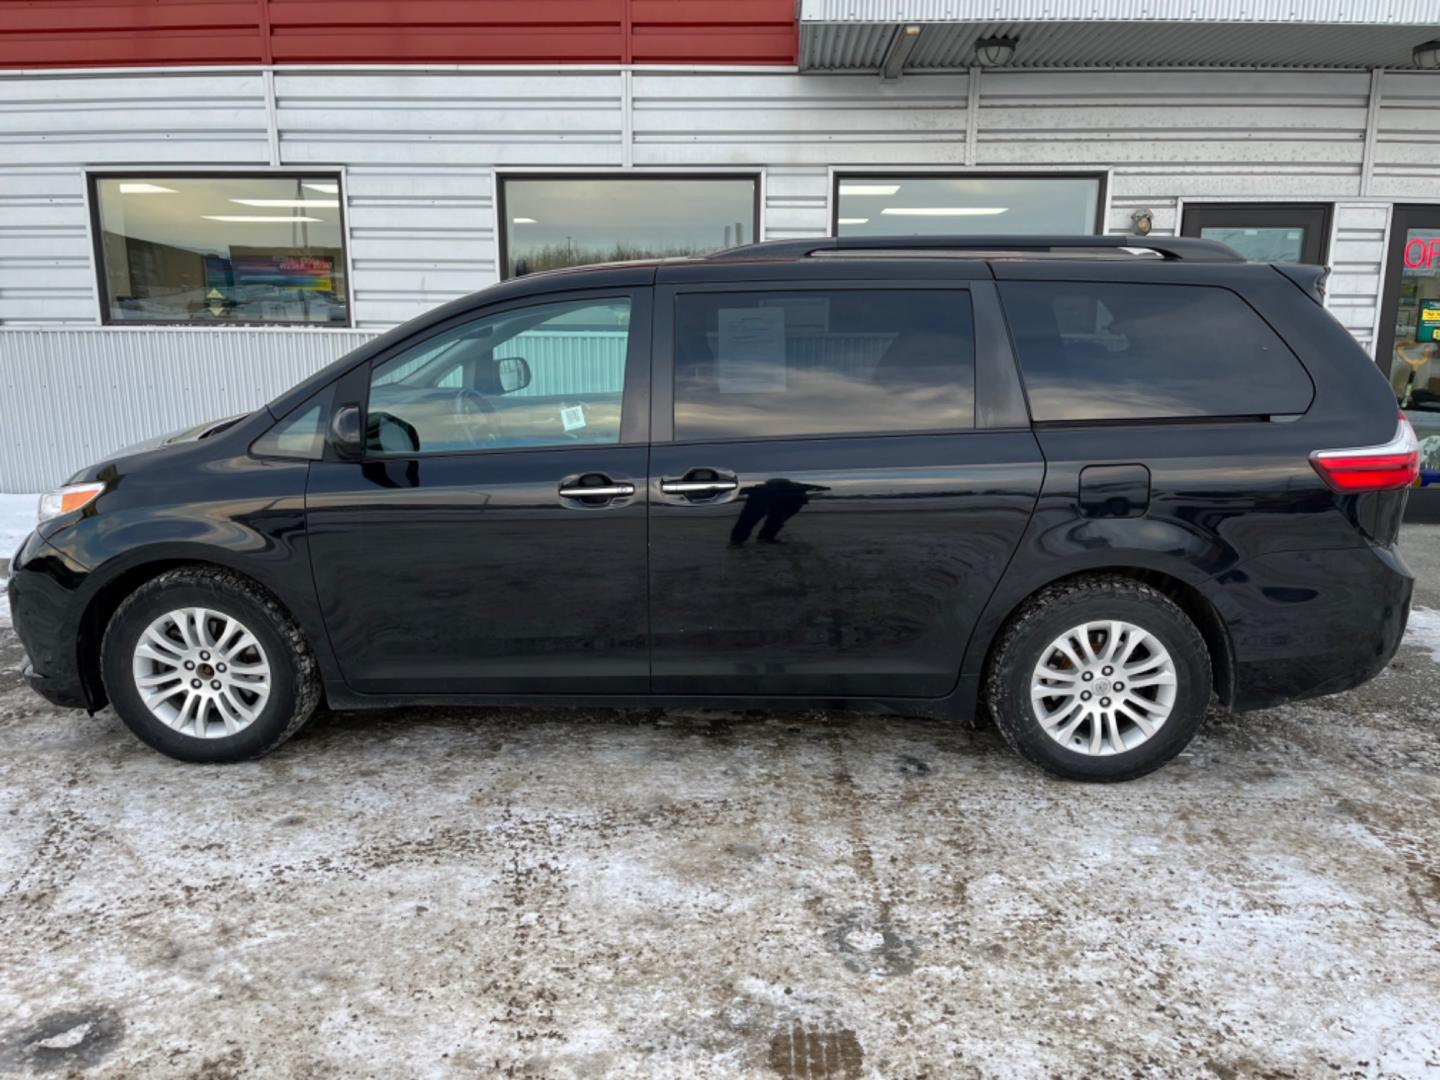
[(697, 487), (599, 491)]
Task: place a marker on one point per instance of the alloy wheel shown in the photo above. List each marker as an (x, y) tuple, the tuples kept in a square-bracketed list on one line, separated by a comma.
[(201, 672)]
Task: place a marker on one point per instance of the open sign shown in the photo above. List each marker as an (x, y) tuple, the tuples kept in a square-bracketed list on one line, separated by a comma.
[(1422, 253)]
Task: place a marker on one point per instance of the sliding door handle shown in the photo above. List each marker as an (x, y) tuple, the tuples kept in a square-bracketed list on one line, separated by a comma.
[(697, 487)]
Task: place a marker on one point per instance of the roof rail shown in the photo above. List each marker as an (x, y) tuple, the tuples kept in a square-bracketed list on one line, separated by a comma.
[(1188, 248)]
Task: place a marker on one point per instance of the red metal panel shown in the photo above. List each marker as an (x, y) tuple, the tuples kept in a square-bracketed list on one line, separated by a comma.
[(79, 33)]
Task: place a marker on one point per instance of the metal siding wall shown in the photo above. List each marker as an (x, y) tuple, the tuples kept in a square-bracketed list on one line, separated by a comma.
[(419, 147), (51, 127), (1356, 257), (72, 396), (1407, 143)]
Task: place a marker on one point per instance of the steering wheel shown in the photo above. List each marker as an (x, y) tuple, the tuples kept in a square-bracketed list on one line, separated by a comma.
[(479, 418)]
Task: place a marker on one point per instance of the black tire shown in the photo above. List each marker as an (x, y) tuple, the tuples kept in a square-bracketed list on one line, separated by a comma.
[(1050, 613), (295, 679)]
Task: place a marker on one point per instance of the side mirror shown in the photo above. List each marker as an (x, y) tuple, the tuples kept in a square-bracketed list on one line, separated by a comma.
[(346, 435), (513, 373)]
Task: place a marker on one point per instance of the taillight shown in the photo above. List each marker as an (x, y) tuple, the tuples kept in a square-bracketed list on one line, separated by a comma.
[(1395, 464)]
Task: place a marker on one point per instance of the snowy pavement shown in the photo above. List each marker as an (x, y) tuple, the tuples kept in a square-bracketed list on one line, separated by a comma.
[(479, 892)]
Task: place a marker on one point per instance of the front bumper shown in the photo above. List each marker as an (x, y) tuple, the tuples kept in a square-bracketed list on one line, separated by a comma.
[(46, 612), (1307, 623)]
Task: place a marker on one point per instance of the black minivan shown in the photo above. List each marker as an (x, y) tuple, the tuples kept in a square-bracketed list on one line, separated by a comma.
[(1087, 483)]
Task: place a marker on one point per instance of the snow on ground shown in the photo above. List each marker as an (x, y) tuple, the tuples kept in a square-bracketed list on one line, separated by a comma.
[(1424, 631), (17, 518)]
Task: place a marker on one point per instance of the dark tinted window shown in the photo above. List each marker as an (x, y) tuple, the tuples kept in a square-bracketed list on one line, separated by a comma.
[(820, 362), (1101, 351)]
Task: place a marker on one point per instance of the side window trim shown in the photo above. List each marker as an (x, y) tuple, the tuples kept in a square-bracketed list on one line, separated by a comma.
[(354, 386), (664, 357)]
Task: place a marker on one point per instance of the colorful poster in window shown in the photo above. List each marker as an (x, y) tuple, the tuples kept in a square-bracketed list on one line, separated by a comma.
[(1428, 328), (313, 273)]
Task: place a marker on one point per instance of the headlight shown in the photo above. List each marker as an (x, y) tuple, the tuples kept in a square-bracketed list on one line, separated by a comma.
[(67, 499)]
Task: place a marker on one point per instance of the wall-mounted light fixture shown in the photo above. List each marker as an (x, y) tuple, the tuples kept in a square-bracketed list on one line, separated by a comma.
[(1144, 221), (1427, 55), (901, 46), (994, 51)]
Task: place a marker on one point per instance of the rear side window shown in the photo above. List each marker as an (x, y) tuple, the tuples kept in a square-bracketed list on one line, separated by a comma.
[(816, 362), (1107, 351)]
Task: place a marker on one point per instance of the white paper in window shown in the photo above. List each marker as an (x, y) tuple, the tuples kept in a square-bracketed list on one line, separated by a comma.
[(751, 354)]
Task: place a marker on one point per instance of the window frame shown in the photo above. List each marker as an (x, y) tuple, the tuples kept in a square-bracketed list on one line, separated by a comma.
[(159, 173), (983, 311), (502, 212), (1306, 216), (1102, 193), (353, 388)]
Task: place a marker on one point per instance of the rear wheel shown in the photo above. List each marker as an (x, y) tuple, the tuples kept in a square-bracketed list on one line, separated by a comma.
[(1100, 678), (204, 665)]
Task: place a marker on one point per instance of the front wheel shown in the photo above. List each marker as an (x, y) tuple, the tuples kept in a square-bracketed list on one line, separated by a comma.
[(1101, 678), (204, 665)]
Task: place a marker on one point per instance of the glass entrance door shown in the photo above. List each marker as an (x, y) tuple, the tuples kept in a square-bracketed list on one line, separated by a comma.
[(1409, 344)]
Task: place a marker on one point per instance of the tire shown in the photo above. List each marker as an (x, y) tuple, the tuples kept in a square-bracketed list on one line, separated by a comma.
[(1111, 610), (259, 699)]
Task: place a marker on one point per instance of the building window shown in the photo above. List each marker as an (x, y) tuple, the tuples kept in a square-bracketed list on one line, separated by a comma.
[(552, 221), (926, 204), (221, 249), (1263, 232)]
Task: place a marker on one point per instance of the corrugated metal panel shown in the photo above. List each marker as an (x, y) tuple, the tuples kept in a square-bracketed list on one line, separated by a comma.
[(72, 396), (1342, 12), (1407, 142), (51, 127), (112, 33), (705, 118), (948, 46)]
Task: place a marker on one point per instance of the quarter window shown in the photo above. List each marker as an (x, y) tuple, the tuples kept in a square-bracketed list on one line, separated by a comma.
[(1105, 351), (547, 375), (221, 249), (759, 364)]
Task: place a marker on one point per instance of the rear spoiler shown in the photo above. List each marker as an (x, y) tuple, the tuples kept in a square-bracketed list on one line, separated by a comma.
[(1309, 279)]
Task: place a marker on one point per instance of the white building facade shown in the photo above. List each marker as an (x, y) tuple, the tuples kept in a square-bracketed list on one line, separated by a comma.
[(1305, 131)]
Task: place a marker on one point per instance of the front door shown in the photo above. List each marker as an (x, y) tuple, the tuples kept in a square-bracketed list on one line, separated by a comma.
[(828, 519), (493, 540)]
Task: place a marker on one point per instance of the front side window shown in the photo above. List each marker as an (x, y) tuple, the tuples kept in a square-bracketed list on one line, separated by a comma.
[(547, 375), (1113, 351), (842, 361), (221, 249), (929, 205), (553, 222)]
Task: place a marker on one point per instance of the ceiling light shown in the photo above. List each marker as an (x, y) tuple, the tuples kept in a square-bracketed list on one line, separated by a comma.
[(523, 221), (901, 46), (257, 217), (325, 188), (331, 203), (146, 189), (1427, 55), (945, 211), (853, 220), (869, 189), (994, 51)]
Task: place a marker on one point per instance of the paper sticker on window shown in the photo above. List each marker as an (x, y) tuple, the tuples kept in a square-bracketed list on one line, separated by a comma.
[(751, 354), (1429, 328), (572, 417)]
